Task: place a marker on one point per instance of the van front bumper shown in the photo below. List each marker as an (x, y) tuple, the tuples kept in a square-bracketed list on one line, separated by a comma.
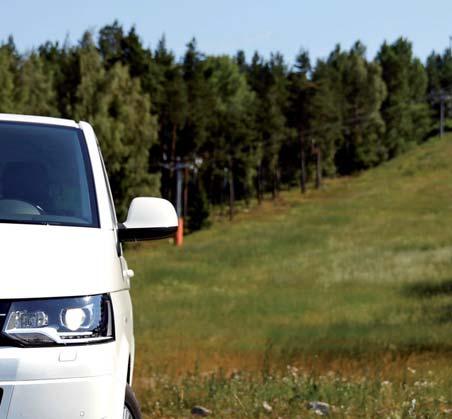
[(61, 382)]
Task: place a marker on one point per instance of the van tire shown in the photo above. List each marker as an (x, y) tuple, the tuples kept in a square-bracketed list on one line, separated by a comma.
[(131, 403)]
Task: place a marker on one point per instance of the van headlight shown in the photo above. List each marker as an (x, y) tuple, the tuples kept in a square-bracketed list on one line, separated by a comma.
[(61, 321)]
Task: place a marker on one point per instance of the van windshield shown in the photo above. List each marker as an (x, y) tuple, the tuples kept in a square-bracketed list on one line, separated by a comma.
[(45, 176)]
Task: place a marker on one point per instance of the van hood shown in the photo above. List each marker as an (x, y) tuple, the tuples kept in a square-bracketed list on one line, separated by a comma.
[(39, 261)]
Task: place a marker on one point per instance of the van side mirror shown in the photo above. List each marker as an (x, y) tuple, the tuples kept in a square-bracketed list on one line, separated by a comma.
[(148, 219)]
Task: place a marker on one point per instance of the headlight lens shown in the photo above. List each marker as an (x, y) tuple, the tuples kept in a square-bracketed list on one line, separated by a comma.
[(60, 321)]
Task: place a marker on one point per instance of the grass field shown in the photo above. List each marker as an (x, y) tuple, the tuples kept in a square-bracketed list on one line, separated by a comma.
[(342, 296)]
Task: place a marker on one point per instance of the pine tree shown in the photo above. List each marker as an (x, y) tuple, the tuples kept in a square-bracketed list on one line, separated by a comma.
[(170, 106), (405, 109), (360, 95), (111, 44), (275, 102), (35, 90), (92, 75), (7, 66), (126, 132), (230, 137), (325, 117), (299, 114), (120, 113), (199, 99), (135, 56), (194, 134), (439, 71), (257, 77), (269, 82)]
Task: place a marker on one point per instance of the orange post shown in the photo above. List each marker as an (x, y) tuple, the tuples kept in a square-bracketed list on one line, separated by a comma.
[(179, 239)]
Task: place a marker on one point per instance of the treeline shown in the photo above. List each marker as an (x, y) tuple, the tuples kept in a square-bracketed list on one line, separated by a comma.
[(214, 129)]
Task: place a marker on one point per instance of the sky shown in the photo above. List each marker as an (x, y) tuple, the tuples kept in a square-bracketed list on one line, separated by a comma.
[(223, 27)]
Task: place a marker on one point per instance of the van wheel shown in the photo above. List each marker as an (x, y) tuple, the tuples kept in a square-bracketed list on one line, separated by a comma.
[(131, 405)]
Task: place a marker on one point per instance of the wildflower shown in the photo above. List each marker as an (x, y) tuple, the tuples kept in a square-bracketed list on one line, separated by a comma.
[(267, 407), (411, 410)]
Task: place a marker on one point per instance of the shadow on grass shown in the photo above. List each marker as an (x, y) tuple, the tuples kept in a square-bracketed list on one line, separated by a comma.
[(445, 314), (440, 313), (360, 342), (426, 289)]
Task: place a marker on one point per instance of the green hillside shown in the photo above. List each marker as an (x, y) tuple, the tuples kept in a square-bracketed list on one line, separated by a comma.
[(354, 281)]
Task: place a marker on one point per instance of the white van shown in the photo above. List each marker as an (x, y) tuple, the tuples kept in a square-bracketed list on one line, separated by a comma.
[(66, 325)]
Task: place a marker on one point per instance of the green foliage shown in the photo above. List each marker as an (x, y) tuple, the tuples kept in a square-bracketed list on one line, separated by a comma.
[(36, 94), (200, 101), (126, 132), (229, 144), (248, 128), (92, 75), (229, 135), (326, 121), (405, 110), (270, 84), (6, 80), (120, 113), (198, 211), (110, 43), (63, 66), (171, 104), (300, 111), (360, 93), (439, 71)]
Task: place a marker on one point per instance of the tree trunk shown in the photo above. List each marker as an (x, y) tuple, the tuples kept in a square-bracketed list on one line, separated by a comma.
[(318, 171), (259, 185), (231, 193), (224, 185), (302, 164), (247, 192), (172, 163), (275, 188), (186, 175), (173, 143), (165, 182)]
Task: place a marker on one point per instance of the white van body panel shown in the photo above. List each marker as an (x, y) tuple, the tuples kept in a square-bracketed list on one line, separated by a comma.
[(56, 261), (106, 213), (38, 120)]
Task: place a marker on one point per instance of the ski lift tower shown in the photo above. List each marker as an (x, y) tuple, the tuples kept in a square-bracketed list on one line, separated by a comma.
[(182, 169)]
